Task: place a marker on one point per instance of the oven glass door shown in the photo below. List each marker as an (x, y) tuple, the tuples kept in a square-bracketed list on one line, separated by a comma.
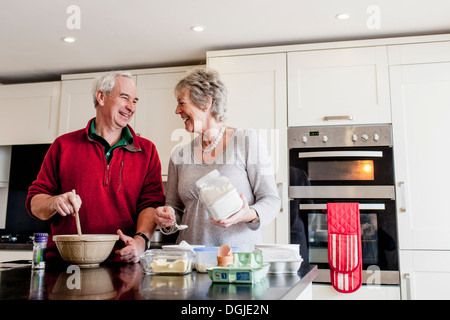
[(378, 232), (344, 166)]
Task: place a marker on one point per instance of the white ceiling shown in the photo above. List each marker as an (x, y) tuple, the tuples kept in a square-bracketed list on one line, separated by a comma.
[(130, 34)]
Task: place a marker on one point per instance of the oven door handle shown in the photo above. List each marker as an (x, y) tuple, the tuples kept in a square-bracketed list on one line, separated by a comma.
[(323, 206), (329, 154)]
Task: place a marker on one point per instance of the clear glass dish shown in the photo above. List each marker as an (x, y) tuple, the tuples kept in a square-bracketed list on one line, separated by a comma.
[(167, 262)]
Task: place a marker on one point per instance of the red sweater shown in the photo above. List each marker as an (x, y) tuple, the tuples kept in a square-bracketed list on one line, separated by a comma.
[(112, 195)]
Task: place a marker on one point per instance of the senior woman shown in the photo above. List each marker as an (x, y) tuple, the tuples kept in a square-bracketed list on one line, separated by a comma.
[(237, 154)]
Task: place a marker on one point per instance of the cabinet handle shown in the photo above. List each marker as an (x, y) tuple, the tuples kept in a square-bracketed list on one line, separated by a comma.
[(407, 277), (401, 186), (329, 118), (280, 193)]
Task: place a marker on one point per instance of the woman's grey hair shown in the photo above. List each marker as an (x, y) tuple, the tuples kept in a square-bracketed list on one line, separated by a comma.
[(203, 82), (106, 83)]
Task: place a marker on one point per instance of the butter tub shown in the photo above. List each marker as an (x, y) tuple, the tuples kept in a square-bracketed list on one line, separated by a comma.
[(167, 262)]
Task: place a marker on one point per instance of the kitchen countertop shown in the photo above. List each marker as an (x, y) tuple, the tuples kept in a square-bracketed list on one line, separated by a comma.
[(16, 246), (128, 282)]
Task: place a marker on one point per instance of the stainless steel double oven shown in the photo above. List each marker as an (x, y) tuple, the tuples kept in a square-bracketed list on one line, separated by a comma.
[(344, 164)]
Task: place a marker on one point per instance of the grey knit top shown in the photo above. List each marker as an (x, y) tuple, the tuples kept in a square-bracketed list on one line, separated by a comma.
[(248, 166)]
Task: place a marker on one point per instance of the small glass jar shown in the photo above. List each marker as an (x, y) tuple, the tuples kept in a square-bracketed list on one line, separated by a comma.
[(39, 246), (219, 195)]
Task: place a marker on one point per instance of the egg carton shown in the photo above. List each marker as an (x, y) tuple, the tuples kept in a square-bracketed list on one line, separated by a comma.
[(248, 267)]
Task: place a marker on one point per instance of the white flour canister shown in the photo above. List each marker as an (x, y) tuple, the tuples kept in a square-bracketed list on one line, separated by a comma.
[(219, 195)]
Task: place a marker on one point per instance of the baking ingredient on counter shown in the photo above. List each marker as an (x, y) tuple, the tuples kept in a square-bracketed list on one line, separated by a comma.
[(219, 195), (283, 258), (172, 262), (225, 256), (206, 257), (164, 266), (39, 246), (248, 267)]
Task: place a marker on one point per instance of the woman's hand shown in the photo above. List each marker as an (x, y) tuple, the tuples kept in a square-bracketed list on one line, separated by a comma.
[(245, 214), (165, 216)]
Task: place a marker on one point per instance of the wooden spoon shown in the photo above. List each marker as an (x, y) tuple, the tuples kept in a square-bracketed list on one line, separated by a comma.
[(77, 218)]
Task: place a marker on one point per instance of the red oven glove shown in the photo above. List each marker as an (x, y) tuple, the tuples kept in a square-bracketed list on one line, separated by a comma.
[(344, 246)]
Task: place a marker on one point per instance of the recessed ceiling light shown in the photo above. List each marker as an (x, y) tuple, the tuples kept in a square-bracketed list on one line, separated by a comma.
[(198, 28), (342, 16), (69, 39)]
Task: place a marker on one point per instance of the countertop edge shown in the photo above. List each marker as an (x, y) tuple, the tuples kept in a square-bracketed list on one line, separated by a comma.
[(16, 246), (304, 282)]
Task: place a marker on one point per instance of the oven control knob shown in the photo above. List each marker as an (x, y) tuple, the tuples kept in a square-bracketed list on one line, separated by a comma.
[(354, 138), (365, 137), (304, 139), (376, 136), (325, 138)]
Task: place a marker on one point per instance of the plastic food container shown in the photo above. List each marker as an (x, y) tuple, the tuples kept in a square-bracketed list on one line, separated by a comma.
[(206, 257), (219, 195), (283, 258), (285, 266), (167, 262)]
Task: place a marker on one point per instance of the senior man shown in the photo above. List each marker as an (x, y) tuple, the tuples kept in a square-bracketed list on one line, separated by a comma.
[(116, 175)]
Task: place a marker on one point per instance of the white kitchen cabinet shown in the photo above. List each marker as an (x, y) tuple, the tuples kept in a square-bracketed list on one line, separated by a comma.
[(420, 88), (338, 86), (29, 113), (77, 104), (155, 113), (423, 52), (420, 112), (425, 274), (256, 87)]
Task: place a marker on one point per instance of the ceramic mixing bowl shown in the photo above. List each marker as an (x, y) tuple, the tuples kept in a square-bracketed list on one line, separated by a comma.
[(87, 250)]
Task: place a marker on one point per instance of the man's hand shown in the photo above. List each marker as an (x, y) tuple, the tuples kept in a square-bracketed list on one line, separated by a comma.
[(44, 206), (134, 248)]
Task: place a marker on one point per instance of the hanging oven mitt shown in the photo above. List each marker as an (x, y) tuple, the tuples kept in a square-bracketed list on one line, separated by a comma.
[(344, 246)]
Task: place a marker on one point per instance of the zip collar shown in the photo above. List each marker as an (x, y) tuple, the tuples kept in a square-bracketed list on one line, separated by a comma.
[(132, 144)]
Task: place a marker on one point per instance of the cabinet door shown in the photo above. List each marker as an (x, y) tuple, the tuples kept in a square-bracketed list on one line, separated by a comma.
[(5, 164), (425, 275), (155, 113), (420, 113), (29, 113), (77, 105), (338, 86), (256, 87)]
